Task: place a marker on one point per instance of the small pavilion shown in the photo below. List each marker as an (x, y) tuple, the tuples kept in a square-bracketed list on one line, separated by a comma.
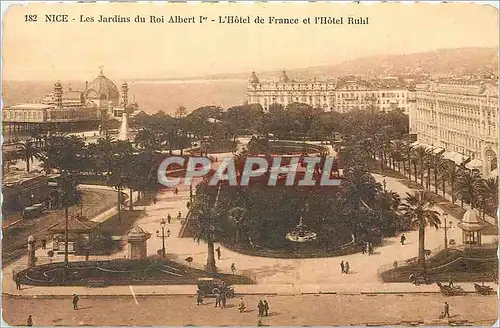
[(137, 246), (471, 228)]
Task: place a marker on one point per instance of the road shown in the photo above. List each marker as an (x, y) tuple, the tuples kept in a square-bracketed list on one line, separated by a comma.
[(15, 244), (284, 310)]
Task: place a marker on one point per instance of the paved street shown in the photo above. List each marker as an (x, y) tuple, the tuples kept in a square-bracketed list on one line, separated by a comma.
[(284, 310)]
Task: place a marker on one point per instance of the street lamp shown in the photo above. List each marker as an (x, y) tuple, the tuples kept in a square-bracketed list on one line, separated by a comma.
[(163, 224), (445, 228)]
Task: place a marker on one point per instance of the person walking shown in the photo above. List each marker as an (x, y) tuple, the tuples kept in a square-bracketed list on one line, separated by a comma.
[(18, 282), (169, 218), (241, 306), (403, 239), (342, 267), (266, 308), (179, 216), (223, 299), (44, 243), (233, 268), (75, 301), (446, 310), (199, 297), (260, 306), (370, 249), (347, 267), (218, 252), (363, 248), (451, 281), (217, 300), (29, 322)]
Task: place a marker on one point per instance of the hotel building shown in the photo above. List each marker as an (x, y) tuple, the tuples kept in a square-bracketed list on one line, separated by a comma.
[(462, 118)]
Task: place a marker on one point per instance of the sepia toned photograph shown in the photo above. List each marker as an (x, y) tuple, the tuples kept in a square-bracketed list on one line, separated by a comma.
[(249, 164)]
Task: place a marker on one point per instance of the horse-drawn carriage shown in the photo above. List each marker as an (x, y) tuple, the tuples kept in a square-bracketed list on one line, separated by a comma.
[(483, 290), (418, 278), (450, 290)]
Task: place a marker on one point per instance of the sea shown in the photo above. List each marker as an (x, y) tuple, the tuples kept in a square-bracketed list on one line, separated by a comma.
[(152, 96)]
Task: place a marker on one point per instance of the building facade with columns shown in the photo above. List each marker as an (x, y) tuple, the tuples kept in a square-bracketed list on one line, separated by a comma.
[(340, 95), (100, 99), (462, 118)]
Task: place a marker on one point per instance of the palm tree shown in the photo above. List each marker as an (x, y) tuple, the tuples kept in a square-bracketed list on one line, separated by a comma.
[(237, 215), (469, 185), (27, 151), (489, 194), (437, 163), (419, 157), (417, 208), (449, 173)]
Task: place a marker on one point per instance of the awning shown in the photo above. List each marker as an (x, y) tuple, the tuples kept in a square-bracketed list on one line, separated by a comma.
[(494, 173), (437, 150), (416, 144), (474, 164), (457, 158)]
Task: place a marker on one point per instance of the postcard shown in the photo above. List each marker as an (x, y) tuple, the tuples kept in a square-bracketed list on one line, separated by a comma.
[(249, 164)]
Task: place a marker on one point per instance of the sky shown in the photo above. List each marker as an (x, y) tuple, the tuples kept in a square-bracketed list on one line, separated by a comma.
[(74, 50)]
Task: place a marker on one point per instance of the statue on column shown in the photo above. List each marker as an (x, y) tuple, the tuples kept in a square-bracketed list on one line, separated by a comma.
[(31, 251)]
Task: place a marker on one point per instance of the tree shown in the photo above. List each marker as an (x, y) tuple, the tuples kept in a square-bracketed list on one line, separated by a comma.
[(417, 207), (420, 156), (437, 164), (27, 152), (469, 186), (237, 215), (180, 112), (449, 173), (489, 194)]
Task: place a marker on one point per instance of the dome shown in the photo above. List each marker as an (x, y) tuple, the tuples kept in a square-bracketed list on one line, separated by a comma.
[(470, 221), (102, 88), (253, 78), (137, 233), (284, 78), (471, 216)]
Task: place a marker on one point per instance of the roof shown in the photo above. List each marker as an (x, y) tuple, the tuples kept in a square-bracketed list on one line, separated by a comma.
[(102, 86), (470, 221), (31, 106), (474, 164), (75, 225), (455, 157)]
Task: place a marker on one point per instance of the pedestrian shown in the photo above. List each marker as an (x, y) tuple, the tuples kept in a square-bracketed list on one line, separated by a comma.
[(194, 237), (233, 268), (241, 306), (218, 252), (44, 243), (18, 282), (217, 300), (75, 301), (198, 239), (395, 264), (266, 308), (169, 218), (342, 266), (403, 239), (223, 300), (199, 297), (179, 216), (451, 281), (363, 248), (368, 248), (29, 322), (260, 306), (446, 310), (176, 191), (154, 201), (347, 267)]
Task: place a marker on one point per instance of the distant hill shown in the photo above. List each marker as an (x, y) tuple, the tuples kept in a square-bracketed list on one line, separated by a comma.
[(444, 61)]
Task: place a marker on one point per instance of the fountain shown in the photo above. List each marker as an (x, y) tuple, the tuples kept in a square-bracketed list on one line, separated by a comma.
[(123, 134), (301, 233)]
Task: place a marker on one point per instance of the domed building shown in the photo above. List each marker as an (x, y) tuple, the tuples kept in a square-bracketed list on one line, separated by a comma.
[(102, 91)]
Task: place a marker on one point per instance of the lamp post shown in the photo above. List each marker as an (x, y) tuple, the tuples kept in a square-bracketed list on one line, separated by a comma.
[(163, 224), (445, 228)]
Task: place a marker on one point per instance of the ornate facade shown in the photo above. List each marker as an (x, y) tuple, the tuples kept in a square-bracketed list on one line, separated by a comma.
[(461, 117), (100, 98), (341, 95)]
